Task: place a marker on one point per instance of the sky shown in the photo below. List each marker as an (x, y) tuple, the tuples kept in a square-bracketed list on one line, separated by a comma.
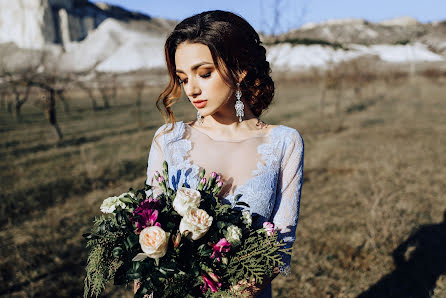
[(293, 13)]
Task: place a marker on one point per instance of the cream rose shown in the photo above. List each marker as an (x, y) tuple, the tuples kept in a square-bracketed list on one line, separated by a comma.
[(233, 234), (153, 241), (246, 217), (109, 205), (186, 198), (196, 221)]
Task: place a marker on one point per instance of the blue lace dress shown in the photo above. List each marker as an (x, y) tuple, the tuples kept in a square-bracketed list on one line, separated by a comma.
[(267, 170)]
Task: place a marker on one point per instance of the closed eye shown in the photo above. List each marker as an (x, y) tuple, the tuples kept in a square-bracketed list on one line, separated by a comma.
[(180, 81)]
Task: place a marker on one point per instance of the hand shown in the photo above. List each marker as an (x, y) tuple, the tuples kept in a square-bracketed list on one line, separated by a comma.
[(244, 288), (136, 285)]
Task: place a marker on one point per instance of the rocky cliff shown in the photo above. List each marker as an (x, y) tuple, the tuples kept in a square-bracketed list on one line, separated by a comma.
[(36, 23)]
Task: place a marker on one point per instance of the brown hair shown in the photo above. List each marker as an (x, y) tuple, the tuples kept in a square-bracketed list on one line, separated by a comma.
[(235, 47)]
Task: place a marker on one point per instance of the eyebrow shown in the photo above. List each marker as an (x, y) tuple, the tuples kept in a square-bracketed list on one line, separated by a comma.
[(195, 66)]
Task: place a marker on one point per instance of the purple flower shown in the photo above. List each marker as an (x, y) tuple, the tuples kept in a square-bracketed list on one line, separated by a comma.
[(222, 246), (146, 214), (209, 283)]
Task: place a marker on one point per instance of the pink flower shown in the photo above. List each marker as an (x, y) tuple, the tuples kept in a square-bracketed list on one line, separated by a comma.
[(269, 228), (220, 184), (213, 175), (209, 283), (222, 246), (146, 214)]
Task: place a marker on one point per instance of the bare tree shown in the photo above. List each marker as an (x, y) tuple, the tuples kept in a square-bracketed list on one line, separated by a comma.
[(107, 87), (89, 90), (17, 83), (53, 84), (279, 16)]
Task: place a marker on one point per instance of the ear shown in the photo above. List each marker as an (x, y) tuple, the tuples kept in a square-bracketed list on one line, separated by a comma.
[(242, 75)]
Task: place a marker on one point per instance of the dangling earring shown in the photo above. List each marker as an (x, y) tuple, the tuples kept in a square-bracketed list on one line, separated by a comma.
[(199, 118), (239, 106)]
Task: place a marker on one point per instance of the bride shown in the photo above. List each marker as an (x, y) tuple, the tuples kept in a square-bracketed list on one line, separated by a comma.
[(217, 58)]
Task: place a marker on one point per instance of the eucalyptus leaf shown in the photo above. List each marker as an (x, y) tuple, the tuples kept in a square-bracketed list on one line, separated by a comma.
[(117, 251)]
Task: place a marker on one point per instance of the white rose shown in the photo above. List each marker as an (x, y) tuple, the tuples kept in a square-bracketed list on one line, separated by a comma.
[(196, 221), (233, 234), (127, 193), (111, 204), (153, 241), (186, 198), (246, 217)]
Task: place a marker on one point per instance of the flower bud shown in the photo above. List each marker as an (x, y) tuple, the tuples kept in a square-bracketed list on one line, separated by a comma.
[(213, 175), (201, 184), (176, 239), (213, 276)]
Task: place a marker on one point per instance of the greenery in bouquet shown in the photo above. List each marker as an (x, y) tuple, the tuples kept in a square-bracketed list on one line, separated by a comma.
[(179, 243)]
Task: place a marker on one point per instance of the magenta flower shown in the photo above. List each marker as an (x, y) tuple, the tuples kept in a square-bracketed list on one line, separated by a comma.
[(269, 228), (146, 214), (209, 283), (222, 246)]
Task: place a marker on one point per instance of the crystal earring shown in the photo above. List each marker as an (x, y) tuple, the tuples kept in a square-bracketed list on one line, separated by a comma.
[(199, 118), (239, 106)]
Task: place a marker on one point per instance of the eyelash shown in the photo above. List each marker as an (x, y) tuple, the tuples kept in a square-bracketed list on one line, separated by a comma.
[(180, 81)]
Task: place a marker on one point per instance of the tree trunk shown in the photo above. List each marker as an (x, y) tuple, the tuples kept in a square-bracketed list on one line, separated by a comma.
[(20, 101), (51, 113), (66, 106), (18, 106)]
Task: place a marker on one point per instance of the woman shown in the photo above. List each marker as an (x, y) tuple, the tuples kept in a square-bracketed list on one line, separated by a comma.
[(217, 58)]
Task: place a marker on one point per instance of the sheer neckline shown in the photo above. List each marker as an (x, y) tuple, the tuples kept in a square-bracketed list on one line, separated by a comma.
[(265, 149), (265, 135)]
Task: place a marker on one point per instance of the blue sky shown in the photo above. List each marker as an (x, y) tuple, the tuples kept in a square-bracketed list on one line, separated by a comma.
[(294, 12)]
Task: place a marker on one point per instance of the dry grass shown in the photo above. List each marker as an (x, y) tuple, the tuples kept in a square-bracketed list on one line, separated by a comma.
[(374, 173)]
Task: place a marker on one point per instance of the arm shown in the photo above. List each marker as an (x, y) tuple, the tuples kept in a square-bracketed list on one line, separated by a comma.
[(286, 208), (155, 160)]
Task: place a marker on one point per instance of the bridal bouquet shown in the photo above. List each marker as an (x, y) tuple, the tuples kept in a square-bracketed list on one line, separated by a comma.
[(183, 243)]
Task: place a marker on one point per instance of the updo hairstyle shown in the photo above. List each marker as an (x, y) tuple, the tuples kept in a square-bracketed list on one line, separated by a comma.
[(235, 47)]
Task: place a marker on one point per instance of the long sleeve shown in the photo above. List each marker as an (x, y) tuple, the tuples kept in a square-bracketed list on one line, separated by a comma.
[(286, 208), (156, 157)]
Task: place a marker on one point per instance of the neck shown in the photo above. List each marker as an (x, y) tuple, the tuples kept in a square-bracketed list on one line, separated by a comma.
[(225, 121)]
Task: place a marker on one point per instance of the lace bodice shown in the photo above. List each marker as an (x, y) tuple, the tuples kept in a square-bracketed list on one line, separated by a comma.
[(266, 169)]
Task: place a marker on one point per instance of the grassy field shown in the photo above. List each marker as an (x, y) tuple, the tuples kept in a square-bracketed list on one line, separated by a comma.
[(374, 174)]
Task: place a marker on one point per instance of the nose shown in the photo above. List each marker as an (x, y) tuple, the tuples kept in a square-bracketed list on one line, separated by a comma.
[(192, 89)]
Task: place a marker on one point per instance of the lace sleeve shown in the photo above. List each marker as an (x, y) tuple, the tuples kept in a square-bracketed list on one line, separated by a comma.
[(156, 158), (286, 207)]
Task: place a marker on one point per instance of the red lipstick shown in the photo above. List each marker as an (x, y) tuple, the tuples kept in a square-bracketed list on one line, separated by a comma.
[(200, 103)]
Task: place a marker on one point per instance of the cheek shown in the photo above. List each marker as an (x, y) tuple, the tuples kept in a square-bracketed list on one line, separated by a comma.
[(219, 89)]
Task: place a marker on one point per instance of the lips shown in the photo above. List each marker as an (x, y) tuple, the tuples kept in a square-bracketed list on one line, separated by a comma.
[(200, 103)]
